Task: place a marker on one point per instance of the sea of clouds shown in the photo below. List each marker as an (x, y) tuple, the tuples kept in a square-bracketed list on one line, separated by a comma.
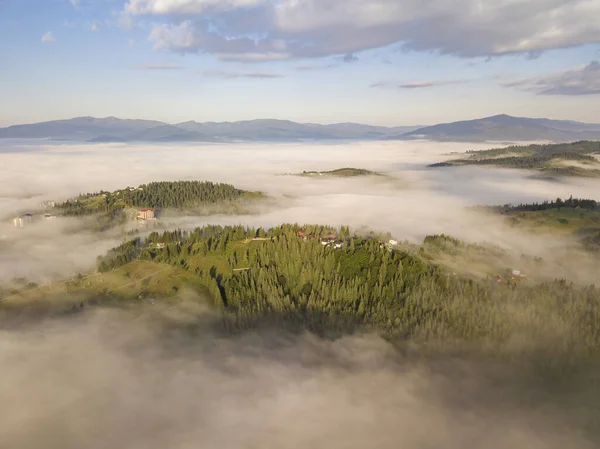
[(112, 378), (414, 201)]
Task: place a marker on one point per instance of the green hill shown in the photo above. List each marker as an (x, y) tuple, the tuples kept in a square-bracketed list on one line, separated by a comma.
[(579, 218), (277, 277), (156, 195), (565, 159), (341, 172)]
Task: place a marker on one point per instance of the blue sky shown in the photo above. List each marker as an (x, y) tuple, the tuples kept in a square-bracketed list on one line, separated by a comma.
[(390, 62)]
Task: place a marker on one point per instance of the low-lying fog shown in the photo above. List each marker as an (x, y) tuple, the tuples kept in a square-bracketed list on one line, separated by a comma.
[(417, 201), (107, 379), (110, 380)]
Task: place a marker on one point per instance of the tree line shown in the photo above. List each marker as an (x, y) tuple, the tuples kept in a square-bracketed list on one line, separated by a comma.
[(571, 202)]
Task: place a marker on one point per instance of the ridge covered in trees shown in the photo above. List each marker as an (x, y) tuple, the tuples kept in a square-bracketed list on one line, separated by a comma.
[(573, 203), (342, 172), (255, 276), (545, 158), (155, 195)]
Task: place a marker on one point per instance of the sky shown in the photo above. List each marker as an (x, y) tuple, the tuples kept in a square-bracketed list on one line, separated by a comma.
[(383, 62)]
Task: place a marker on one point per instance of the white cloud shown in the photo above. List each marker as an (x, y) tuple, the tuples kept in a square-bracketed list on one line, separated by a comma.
[(75, 3), (159, 7), (48, 38), (160, 66), (229, 75), (306, 28), (186, 37), (419, 84), (583, 80)]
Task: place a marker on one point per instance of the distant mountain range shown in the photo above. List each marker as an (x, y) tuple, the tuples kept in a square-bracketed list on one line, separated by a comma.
[(112, 129), (505, 127)]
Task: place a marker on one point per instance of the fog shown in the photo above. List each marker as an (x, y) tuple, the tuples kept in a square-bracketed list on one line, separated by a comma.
[(411, 203), (118, 379), (136, 379)]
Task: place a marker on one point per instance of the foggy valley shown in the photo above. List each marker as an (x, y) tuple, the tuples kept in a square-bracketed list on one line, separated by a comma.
[(294, 224), (165, 375)]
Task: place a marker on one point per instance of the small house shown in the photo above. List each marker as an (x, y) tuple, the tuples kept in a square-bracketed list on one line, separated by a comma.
[(338, 244), (146, 214)]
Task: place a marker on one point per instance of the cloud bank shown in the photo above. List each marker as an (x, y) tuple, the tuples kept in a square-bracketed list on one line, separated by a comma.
[(584, 80), (111, 379), (259, 30)]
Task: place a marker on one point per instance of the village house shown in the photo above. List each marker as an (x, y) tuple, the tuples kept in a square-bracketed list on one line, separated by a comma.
[(337, 244), (304, 236), (146, 214)]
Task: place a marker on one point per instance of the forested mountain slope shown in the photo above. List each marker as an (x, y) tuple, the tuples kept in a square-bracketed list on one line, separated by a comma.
[(280, 277)]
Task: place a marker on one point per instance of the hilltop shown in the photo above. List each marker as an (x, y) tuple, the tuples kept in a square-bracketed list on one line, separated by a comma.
[(155, 195), (148, 201), (567, 159), (341, 173)]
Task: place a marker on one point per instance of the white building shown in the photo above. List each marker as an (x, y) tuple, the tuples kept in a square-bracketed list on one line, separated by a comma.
[(146, 214), (21, 221)]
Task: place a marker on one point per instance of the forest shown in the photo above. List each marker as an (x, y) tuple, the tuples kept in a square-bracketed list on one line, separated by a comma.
[(156, 195), (537, 157), (341, 172), (256, 276)]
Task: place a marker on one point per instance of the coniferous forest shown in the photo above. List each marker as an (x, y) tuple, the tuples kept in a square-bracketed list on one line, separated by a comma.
[(256, 276), (160, 195)]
